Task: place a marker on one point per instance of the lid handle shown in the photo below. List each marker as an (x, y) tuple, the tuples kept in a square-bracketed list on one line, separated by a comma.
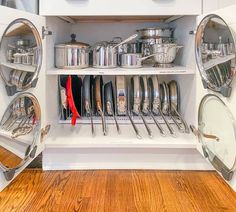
[(73, 36)]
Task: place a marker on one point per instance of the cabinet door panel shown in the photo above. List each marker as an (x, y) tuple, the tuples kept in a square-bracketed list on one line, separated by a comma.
[(20, 113), (216, 111)]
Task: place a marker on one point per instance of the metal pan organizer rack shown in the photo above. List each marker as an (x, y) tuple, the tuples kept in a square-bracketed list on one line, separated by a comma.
[(136, 101)]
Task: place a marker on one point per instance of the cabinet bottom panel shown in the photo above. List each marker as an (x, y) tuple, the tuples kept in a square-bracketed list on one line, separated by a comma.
[(82, 159)]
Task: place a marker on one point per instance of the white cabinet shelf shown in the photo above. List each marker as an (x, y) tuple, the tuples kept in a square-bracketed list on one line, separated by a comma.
[(81, 137), (147, 70), (20, 67)]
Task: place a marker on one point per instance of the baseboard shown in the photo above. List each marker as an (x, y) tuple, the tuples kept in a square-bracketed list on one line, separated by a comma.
[(85, 159)]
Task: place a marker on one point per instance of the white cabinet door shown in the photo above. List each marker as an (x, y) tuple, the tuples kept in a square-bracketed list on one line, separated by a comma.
[(22, 85), (216, 91), (119, 8)]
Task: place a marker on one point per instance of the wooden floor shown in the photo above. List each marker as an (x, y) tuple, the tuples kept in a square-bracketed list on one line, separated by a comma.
[(122, 191)]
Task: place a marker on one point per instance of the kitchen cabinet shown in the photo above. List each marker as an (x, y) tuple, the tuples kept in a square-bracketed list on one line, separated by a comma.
[(67, 147)]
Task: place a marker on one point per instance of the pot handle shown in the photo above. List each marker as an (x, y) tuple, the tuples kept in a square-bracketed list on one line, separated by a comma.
[(126, 40), (151, 55)]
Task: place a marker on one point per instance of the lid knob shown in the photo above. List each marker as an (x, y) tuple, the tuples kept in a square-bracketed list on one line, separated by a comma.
[(73, 36)]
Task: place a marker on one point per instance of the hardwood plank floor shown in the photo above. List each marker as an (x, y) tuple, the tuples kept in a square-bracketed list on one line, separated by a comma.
[(118, 191)]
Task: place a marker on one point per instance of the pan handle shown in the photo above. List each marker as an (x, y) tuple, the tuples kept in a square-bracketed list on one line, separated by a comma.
[(132, 37)]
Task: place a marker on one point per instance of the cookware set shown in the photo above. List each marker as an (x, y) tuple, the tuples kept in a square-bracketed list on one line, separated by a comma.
[(132, 98), (156, 43), (159, 41), (23, 52), (211, 51)]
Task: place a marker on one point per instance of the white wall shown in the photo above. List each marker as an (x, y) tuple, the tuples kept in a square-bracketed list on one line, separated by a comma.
[(211, 5)]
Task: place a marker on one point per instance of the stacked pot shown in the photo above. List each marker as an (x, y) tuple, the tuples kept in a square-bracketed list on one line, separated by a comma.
[(160, 42), (129, 53)]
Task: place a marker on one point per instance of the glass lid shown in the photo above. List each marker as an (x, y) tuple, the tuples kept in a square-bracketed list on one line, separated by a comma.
[(215, 54), (217, 133), (19, 133), (21, 56)]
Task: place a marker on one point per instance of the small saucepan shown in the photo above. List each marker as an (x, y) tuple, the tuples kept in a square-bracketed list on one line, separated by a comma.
[(133, 60)]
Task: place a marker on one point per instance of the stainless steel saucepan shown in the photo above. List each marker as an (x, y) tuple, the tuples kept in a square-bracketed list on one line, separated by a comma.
[(133, 60), (105, 53), (155, 32), (72, 55)]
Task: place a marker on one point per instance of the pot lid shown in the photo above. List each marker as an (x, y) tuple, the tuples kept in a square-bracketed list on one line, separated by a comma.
[(215, 54), (74, 43), (217, 130)]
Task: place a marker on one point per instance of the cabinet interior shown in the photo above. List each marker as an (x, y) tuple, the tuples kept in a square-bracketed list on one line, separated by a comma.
[(93, 31)]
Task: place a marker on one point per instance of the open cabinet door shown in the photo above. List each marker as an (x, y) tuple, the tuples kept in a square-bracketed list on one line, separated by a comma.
[(22, 86), (216, 91)]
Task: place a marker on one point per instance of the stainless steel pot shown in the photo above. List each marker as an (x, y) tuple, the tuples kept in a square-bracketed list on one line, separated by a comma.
[(155, 32), (165, 53), (133, 60), (72, 55), (134, 47), (105, 53)]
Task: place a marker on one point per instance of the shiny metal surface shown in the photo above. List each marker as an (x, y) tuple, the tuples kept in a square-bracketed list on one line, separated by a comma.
[(217, 134), (156, 109), (19, 50), (166, 53), (155, 32), (72, 55), (19, 131), (215, 54)]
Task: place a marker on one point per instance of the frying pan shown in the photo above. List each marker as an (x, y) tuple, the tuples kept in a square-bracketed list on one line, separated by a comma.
[(121, 95), (175, 102), (156, 101), (165, 95), (136, 101), (73, 91), (87, 101), (62, 81), (146, 99), (109, 102), (98, 91)]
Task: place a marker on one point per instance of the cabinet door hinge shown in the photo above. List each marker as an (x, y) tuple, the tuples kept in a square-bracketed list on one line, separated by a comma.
[(193, 32), (45, 32)]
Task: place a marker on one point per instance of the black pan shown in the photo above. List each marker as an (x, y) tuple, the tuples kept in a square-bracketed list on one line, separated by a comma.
[(87, 98)]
